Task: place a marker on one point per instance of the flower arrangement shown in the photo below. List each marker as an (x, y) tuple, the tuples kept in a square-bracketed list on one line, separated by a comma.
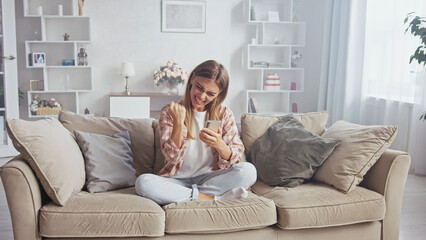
[(170, 75), (49, 107)]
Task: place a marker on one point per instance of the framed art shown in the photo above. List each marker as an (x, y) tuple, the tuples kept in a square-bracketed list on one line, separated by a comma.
[(37, 59), (36, 85), (183, 16)]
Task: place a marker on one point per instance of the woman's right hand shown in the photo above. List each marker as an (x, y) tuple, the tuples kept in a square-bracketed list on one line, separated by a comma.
[(177, 112)]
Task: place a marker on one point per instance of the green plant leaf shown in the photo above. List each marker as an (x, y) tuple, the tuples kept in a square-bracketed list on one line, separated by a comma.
[(418, 30)]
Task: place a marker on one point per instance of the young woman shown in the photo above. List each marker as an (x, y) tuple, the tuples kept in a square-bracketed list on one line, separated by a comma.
[(200, 164)]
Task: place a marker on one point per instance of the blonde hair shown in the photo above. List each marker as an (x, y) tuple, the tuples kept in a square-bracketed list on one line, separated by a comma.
[(212, 70)]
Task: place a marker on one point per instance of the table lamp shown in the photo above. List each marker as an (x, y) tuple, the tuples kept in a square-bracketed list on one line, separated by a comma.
[(127, 70)]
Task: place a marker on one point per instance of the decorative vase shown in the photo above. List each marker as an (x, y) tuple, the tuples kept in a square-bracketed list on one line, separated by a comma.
[(173, 90), (272, 82)]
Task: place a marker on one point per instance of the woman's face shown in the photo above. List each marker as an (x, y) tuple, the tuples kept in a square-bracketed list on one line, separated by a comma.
[(203, 91)]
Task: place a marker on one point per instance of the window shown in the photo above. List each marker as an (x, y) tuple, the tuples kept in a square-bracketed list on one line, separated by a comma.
[(388, 49)]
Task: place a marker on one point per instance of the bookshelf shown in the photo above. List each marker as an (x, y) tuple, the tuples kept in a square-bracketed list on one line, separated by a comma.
[(272, 51)]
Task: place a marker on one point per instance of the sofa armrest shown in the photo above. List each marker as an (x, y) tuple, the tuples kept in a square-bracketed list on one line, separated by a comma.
[(24, 198), (388, 177)]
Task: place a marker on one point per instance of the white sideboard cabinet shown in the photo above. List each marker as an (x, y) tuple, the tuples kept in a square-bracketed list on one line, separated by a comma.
[(139, 105)]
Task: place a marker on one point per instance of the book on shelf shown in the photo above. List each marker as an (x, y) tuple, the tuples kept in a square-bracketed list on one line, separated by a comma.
[(256, 108), (250, 106), (253, 105)]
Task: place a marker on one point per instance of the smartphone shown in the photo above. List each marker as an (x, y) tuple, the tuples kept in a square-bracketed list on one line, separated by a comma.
[(213, 125)]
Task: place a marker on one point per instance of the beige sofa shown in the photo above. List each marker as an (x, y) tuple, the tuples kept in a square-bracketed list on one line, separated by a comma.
[(310, 211)]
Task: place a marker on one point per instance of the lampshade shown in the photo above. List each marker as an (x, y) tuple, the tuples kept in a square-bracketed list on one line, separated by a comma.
[(127, 69)]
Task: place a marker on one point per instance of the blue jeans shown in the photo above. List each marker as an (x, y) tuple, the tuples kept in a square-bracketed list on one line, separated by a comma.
[(165, 190)]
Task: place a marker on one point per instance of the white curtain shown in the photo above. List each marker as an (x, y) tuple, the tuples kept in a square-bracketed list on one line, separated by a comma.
[(342, 62), (417, 143), (375, 84)]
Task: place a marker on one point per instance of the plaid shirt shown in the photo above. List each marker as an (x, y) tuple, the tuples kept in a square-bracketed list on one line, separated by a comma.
[(174, 155)]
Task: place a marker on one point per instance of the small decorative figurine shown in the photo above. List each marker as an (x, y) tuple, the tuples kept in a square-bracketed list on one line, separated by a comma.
[(86, 111), (82, 57), (295, 58), (66, 37)]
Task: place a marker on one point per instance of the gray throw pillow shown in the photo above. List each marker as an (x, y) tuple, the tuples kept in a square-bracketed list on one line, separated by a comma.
[(288, 154), (108, 160)]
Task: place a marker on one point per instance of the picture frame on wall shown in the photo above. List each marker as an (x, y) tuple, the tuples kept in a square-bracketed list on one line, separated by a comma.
[(183, 16), (37, 59)]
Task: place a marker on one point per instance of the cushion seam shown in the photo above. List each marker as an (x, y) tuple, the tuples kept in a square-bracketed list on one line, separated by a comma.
[(100, 236), (340, 204), (201, 208), (100, 213), (221, 229), (330, 225)]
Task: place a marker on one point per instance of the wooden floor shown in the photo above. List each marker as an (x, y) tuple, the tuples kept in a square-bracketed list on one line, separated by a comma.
[(413, 216), (413, 219)]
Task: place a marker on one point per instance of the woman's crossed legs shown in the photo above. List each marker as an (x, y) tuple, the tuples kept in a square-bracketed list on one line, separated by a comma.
[(222, 184)]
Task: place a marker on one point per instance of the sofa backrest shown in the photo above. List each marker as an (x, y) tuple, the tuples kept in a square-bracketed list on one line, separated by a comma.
[(140, 130), (145, 133)]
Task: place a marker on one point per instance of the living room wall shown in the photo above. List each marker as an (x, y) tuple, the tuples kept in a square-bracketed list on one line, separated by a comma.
[(130, 30)]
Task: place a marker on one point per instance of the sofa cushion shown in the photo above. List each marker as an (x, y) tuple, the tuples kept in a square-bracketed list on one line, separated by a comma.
[(360, 148), (119, 213), (220, 216), (52, 153), (140, 131), (317, 205), (253, 126), (288, 154), (108, 160)]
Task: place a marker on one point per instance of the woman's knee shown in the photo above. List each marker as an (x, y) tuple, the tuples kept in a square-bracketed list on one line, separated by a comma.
[(247, 171), (144, 184)]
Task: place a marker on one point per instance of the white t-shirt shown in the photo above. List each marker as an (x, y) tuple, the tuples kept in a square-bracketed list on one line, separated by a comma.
[(198, 157)]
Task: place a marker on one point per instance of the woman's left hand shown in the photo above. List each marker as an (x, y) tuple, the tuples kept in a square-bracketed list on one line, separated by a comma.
[(211, 138), (214, 140)]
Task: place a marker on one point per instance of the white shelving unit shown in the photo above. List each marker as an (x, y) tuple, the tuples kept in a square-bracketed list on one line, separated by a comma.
[(64, 83), (274, 45), (50, 8)]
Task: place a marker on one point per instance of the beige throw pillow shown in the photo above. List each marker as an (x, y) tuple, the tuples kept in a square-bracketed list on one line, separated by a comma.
[(359, 149), (52, 153), (253, 126)]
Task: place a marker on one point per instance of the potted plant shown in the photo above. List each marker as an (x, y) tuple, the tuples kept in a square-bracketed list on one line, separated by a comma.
[(416, 26), (20, 95), (44, 107)]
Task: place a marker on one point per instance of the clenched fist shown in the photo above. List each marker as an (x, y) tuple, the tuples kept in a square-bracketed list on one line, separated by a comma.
[(178, 112)]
